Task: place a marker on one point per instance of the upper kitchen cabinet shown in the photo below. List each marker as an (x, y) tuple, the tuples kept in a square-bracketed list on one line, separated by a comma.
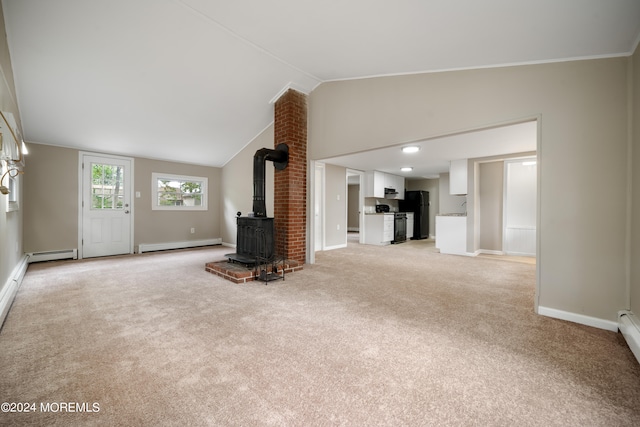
[(394, 182), (374, 184), (458, 177), (384, 185)]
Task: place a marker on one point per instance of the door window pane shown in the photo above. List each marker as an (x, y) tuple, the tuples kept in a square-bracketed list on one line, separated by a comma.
[(107, 186)]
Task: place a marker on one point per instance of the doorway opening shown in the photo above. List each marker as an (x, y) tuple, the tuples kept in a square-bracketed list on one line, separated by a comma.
[(504, 206), (432, 161)]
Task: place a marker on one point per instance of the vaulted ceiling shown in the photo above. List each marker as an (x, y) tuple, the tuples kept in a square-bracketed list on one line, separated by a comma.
[(193, 80)]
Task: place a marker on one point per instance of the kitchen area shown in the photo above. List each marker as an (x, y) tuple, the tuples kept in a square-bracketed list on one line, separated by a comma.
[(397, 210), (498, 217), (478, 192), (387, 218), (391, 215)]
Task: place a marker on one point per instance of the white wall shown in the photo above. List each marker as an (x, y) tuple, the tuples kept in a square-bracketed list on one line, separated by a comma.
[(336, 206)]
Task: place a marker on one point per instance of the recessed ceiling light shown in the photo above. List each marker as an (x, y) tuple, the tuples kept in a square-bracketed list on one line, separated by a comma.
[(410, 149), (407, 169)]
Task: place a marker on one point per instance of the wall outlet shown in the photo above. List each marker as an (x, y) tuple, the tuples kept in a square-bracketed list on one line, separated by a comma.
[(338, 226), (193, 230)]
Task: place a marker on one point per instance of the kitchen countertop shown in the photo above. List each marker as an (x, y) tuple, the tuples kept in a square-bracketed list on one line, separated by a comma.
[(383, 213), (393, 212)]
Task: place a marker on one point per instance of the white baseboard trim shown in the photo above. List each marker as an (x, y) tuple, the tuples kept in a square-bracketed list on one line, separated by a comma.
[(229, 245), (10, 288), (578, 318), (520, 254), (447, 252), (629, 325), (330, 248), (150, 247), (488, 252), (53, 255)]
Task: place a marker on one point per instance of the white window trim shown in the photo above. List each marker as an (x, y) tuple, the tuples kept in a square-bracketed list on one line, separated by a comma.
[(155, 176)]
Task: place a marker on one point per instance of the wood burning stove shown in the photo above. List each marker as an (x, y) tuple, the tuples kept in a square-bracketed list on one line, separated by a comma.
[(255, 241)]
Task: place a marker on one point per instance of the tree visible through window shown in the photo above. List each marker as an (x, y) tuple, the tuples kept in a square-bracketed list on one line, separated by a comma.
[(107, 186), (179, 192)]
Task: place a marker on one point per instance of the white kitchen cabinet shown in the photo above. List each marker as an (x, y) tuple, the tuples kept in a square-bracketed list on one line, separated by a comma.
[(451, 234), (397, 183), (376, 182), (410, 216), (387, 227), (458, 177), (378, 229)]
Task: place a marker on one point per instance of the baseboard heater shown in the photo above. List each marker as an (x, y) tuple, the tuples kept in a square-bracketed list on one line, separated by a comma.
[(53, 255), (10, 289), (150, 247), (630, 327)]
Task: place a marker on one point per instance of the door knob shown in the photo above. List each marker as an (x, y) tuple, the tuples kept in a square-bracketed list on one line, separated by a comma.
[(126, 212)]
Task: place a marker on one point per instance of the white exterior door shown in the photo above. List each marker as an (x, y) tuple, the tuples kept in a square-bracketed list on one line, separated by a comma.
[(106, 206)]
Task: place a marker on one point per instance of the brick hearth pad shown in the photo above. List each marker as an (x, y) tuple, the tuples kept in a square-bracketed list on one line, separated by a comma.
[(238, 273)]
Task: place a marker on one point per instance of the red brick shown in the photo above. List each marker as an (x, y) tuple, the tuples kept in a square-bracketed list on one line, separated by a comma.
[(290, 127)]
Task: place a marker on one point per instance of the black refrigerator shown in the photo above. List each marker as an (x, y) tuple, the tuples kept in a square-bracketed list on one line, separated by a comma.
[(418, 203)]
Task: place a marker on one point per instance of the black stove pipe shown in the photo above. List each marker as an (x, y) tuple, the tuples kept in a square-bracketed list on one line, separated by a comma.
[(280, 158)]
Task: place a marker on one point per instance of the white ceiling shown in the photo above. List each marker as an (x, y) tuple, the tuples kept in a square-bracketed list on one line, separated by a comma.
[(193, 80), (435, 154)]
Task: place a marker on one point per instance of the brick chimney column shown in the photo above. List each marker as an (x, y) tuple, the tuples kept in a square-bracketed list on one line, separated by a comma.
[(290, 184)]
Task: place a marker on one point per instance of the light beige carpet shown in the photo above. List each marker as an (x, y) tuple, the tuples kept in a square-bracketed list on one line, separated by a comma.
[(368, 336)]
